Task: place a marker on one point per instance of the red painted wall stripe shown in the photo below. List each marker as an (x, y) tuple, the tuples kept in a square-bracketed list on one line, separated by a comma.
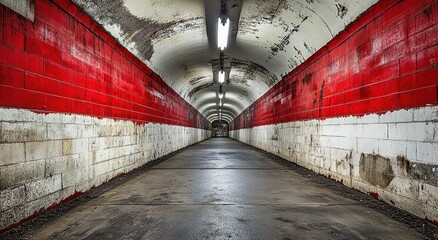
[(64, 62), (386, 60)]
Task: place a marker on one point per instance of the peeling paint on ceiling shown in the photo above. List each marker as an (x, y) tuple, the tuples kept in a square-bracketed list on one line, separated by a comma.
[(177, 39)]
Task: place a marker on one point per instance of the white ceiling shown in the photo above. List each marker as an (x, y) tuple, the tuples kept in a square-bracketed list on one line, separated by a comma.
[(268, 39)]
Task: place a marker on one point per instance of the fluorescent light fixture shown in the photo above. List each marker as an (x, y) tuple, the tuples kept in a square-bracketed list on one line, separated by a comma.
[(221, 77), (221, 95), (220, 102), (222, 36)]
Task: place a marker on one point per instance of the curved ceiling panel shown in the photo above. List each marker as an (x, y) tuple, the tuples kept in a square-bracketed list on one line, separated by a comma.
[(213, 118), (280, 35), (224, 111), (267, 40)]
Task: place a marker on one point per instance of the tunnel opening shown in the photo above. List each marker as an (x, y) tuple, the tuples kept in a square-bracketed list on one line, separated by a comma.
[(220, 128)]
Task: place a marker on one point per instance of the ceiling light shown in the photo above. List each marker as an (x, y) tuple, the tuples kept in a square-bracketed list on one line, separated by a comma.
[(222, 36), (221, 95)]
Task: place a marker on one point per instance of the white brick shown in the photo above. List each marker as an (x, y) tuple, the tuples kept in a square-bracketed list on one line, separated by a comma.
[(79, 119), (56, 118), (101, 155), (336, 130), (397, 116), (332, 121), (42, 150), (101, 168), (43, 187), (21, 132), (75, 146), (391, 148), (17, 174), (80, 145), (412, 131), (87, 131), (60, 165), (11, 153), (63, 131), (411, 151), (429, 113), (82, 160), (378, 131), (347, 143), (338, 154), (93, 144), (16, 115), (367, 146), (76, 177), (11, 197), (368, 119), (427, 152), (329, 130), (50, 118)]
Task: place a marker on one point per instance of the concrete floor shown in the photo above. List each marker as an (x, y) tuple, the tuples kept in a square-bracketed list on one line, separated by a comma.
[(222, 189)]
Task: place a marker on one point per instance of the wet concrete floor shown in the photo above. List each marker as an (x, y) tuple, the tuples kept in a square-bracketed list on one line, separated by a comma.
[(222, 189)]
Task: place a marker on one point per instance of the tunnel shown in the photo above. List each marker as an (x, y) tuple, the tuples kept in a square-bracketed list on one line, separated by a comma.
[(219, 119)]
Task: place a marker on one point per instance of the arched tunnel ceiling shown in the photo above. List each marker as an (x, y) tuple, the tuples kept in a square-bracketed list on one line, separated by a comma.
[(267, 40)]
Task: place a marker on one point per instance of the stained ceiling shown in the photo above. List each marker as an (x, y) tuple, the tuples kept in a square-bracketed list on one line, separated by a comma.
[(267, 39)]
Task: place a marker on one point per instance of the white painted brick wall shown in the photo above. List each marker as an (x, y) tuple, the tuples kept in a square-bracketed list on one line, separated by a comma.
[(11, 153), (12, 197), (427, 152), (43, 187), (43, 150), (18, 174), (15, 132), (45, 158), (409, 134)]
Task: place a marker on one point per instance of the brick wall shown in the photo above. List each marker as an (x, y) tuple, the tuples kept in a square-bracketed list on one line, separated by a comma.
[(65, 62), (384, 61), (362, 109), (392, 156), (47, 158), (77, 109)]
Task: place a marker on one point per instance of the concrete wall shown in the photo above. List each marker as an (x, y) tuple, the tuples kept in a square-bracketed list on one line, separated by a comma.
[(393, 156), (362, 110), (47, 158), (77, 109)]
